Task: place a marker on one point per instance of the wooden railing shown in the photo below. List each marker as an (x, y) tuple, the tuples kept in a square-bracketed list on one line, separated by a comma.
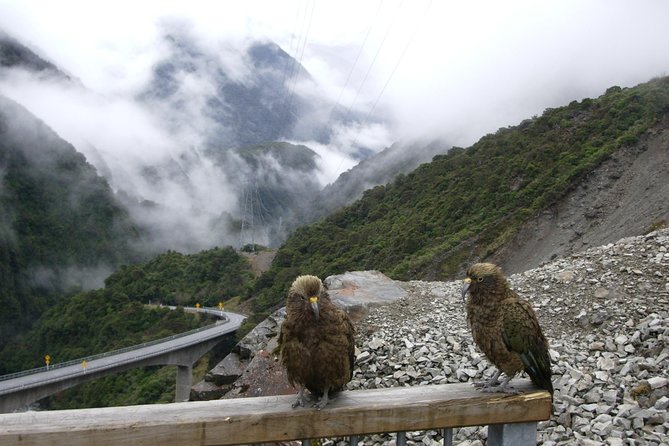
[(512, 418)]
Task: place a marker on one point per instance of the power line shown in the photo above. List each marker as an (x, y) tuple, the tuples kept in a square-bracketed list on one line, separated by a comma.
[(357, 57), (392, 73), (369, 69), (255, 214), (297, 61), (244, 211), (371, 65), (289, 65), (293, 65), (399, 60)]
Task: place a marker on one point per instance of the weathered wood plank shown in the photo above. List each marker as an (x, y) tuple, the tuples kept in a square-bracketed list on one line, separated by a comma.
[(265, 419)]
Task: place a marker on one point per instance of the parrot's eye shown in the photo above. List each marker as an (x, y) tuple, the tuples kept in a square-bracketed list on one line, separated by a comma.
[(480, 279)]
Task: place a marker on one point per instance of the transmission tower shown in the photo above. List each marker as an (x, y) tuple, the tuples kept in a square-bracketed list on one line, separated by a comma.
[(253, 220)]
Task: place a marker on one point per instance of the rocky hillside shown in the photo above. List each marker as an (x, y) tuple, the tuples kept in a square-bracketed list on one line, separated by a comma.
[(615, 200), (605, 312)]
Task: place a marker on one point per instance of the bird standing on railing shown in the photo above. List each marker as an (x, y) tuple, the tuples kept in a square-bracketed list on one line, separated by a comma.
[(316, 341), (505, 328)]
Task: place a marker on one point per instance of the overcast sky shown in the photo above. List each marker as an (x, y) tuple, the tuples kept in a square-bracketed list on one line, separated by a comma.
[(451, 69), (433, 69)]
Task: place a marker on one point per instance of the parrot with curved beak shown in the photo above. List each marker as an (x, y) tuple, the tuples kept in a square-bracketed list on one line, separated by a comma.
[(505, 327), (316, 341)]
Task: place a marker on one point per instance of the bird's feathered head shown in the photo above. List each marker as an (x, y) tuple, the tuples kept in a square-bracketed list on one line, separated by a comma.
[(483, 277), (307, 290)]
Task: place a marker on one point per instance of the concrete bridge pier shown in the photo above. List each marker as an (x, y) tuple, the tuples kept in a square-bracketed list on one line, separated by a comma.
[(185, 359), (184, 383)]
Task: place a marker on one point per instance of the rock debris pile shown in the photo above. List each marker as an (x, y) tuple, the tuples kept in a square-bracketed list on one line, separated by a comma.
[(605, 312)]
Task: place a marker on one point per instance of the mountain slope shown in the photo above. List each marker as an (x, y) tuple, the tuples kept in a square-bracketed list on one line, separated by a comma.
[(60, 225), (13, 54), (607, 343), (379, 169), (467, 204), (609, 352), (626, 195), (236, 97), (202, 107)]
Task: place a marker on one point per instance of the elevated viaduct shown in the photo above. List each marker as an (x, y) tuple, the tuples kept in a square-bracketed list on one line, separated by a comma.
[(18, 390)]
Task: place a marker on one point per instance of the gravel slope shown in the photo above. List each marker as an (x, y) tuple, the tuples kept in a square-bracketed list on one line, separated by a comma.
[(625, 196), (606, 314)]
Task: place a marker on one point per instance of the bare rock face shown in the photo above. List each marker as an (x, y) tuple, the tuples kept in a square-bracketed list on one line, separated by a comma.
[(205, 391), (250, 369), (615, 200), (357, 291), (226, 371), (264, 375), (258, 338)]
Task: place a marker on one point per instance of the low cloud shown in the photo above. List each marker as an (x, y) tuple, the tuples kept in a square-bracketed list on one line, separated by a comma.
[(70, 278), (421, 70), (492, 64), (139, 158)]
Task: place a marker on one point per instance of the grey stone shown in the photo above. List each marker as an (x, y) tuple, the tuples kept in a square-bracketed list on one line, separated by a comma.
[(657, 382)]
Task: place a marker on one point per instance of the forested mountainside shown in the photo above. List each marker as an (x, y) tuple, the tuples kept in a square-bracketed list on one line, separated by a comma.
[(95, 322), (172, 278), (379, 169), (60, 224), (626, 195), (467, 204)]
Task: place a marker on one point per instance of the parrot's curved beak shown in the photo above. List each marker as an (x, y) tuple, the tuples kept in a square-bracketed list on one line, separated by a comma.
[(465, 288), (313, 301)]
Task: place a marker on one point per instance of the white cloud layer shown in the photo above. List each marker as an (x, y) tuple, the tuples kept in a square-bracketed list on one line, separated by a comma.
[(449, 68)]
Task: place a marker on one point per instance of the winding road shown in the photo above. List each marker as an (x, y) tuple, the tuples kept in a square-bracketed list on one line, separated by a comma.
[(19, 389)]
